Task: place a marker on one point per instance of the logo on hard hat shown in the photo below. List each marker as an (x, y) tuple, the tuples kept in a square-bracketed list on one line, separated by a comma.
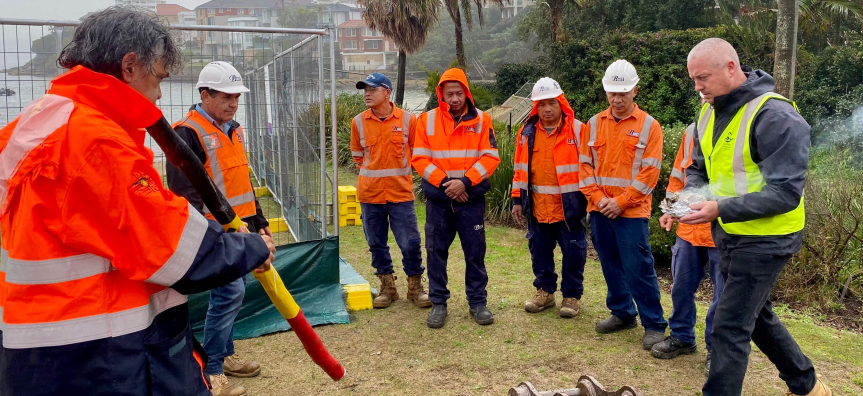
[(618, 78), (235, 78)]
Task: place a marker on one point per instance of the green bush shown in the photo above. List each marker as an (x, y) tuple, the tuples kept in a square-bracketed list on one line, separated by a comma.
[(661, 241), (497, 200)]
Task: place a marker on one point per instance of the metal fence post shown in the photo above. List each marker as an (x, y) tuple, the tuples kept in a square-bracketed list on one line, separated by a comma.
[(334, 132)]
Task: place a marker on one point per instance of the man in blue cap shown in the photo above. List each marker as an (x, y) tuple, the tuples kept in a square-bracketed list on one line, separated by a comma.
[(382, 140)]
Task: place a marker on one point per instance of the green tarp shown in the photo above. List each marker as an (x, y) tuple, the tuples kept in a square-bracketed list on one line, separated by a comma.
[(310, 271)]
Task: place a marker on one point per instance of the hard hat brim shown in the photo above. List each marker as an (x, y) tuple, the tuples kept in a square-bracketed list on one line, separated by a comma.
[(233, 90), (618, 88), (543, 97)]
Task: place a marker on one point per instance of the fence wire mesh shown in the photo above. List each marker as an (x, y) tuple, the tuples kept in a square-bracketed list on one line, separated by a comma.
[(289, 137)]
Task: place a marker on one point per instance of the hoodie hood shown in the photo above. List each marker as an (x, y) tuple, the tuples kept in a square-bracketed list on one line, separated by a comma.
[(757, 83), (565, 108), (457, 75)]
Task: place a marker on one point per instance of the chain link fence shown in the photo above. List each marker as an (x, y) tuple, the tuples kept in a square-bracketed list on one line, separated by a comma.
[(289, 136)]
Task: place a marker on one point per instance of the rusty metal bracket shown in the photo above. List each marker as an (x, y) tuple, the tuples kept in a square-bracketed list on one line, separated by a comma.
[(586, 386)]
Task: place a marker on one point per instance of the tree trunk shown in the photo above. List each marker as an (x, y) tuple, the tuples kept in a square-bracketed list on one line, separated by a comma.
[(556, 8), (785, 57), (400, 84), (459, 44)]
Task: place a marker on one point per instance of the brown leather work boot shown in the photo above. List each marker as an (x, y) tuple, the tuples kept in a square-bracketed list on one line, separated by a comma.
[(236, 366), (540, 301), (388, 292), (222, 386), (569, 307), (819, 390), (416, 293)]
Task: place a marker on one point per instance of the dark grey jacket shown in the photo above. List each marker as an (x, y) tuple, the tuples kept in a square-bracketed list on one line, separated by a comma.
[(780, 147)]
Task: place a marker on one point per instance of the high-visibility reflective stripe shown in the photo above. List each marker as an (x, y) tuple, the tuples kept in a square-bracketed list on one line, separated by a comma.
[(481, 169), (38, 272), (585, 159), (444, 154), (406, 124), (569, 188), (704, 120), (738, 164), (455, 174), (586, 181), (385, 172), (576, 130), (422, 151), (186, 250), (215, 167), (654, 162), (687, 143), (519, 185), (430, 115), (89, 328), (592, 143), (641, 187), (38, 121), (519, 166), (358, 121), (566, 168), (677, 174), (238, 200), (357, 153), (545, 189), (612, 181), (479, 114), (642, 144), (491, 153), (428, 172)]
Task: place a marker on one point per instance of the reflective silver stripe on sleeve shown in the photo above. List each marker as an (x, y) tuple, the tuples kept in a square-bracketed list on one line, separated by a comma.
[(481, 169), (357, 153), (585, 159), (677, 174), (490, 153), (236, 200), (642, 188), (88, 328), (422, 151), (186, 250), (519, 185), (688, 136), (654, 162), (566, 169), (42, 272), (430, 120), (428, 172), (519, 166), (586, 182)]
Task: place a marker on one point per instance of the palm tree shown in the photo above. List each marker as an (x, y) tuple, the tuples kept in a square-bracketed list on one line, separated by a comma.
[(455, 9), (407, 23), (785, 57)]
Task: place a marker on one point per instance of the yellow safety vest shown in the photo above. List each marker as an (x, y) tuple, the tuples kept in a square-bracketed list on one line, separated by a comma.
[(732, 173)]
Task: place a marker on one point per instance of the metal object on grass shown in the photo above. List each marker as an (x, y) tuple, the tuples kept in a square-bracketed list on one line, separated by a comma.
[(587, 386)]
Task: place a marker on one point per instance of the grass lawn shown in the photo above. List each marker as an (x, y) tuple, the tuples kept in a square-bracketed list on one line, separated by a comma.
[(392, 352)]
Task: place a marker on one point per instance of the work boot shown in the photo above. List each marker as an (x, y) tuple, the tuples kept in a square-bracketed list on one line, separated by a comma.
[(388, 292), (569, 308), (482, 315), (416, 293), (222, 386), (437, 316), (614, 324), (540, 301), (707, 364), (819, 390), (651, 338), (671, 348), (236, 366)]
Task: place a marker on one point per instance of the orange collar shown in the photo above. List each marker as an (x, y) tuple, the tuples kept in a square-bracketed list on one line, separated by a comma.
[(636, 113)]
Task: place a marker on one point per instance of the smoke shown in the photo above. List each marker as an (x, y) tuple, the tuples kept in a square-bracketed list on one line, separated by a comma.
[(836, 132)]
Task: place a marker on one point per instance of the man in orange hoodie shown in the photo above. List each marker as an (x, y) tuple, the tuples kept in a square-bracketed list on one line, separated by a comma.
[(545, 192), (456, 153), (620, 163)]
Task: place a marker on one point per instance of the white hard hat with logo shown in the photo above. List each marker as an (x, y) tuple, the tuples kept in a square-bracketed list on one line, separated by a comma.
[(222, 77), (620, 77), (545, 88)]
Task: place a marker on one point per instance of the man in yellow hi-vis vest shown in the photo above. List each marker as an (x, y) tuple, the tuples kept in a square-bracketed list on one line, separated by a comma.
[(752, 152)]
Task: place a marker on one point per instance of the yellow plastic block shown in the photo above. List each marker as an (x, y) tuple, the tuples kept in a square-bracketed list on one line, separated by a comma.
[(350, 208), (347, 194), (278, 225), (358, 296), (262, 192), (347, 220)]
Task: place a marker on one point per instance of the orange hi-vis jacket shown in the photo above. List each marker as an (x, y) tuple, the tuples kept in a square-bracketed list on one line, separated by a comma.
[(621, 160), (696, 234), (545, 181), (226, 163), (446, 150), (382, 151)]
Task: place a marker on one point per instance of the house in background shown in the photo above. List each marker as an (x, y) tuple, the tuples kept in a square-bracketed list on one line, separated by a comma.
[(337, 14), (514, 7), (149, 5), (365, 50), (262, 13), (171, 12)]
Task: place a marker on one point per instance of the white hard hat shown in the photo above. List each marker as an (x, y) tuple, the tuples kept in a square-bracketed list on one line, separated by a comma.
[(222, 77), (620, 77), (545, 88)]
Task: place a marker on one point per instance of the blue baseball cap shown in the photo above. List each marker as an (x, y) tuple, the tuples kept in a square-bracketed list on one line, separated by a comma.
[(375, 80)]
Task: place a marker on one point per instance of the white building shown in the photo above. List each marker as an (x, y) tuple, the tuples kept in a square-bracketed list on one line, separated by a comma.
[(149, 5), (514, 7), (186, 18), (243, 40)]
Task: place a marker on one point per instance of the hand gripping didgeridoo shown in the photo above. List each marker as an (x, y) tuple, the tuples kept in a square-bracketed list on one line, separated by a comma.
[(181, 156)]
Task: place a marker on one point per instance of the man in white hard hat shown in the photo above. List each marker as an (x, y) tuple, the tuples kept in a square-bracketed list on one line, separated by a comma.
[(545, 193), (620, 161), (211, 132)]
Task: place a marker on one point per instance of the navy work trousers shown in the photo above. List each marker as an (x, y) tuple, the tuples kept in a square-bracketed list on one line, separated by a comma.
[(688, 267), (443, 222), (542, 238), (402, 218)]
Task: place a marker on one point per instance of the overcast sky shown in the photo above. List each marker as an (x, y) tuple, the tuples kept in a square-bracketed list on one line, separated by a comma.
[(65, 9)]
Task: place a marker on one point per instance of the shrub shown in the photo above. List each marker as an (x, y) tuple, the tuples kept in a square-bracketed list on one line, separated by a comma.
[(498, 201)]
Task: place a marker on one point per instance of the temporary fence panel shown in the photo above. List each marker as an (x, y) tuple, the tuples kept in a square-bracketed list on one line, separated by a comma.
[(287, 116)]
